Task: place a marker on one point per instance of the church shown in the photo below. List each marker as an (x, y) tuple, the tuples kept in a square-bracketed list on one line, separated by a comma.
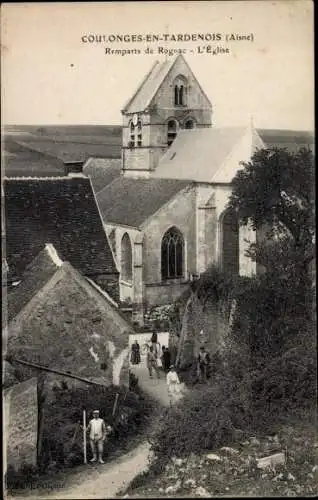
[(166, 213)]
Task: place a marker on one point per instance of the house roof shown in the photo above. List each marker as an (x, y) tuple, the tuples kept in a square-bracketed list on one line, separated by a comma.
[(35, 275), (149, 86), (197, 154), (102, 171), (62, 211), (130, 202), (51, 329), (290, 139)]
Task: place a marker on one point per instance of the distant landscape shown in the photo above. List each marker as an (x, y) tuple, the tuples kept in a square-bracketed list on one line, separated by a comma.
[(45, 149)]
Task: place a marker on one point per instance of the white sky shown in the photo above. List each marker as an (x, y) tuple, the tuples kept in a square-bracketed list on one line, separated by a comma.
[(50, 77)]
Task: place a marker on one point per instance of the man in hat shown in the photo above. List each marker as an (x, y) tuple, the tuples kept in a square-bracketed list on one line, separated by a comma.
[(97, 435)]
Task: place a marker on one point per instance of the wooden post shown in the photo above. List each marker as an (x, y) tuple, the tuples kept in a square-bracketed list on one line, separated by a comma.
[(84, 436), (115, 404)]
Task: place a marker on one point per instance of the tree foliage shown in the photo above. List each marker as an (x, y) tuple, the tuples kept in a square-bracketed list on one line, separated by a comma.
[(276, 189)]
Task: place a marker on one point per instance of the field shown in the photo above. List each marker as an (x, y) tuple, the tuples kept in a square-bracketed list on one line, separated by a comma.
[(43, 150)]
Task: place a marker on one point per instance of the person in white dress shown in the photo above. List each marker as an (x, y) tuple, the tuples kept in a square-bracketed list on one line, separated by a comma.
[(173, 384)]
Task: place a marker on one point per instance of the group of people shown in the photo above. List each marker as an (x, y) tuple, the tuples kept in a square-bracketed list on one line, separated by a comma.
[(160, 358)]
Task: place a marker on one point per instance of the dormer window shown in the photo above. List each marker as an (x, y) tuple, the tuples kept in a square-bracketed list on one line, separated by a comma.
[(172, 131), (180, 91)]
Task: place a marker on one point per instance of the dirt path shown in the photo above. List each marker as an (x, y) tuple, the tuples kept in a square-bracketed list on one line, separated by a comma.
[(157, 388), (110, 479), (98, 481)]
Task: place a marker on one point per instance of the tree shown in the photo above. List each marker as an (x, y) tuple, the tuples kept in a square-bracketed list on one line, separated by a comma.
[(276, 189)]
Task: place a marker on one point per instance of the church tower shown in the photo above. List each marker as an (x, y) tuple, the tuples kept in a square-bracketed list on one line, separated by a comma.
[(169, 99)]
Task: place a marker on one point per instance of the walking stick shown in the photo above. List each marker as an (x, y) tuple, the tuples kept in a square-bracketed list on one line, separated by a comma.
[(84, 436)]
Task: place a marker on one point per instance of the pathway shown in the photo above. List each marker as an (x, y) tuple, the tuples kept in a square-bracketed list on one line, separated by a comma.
[(109, 480), (95, 481), (157, 388)]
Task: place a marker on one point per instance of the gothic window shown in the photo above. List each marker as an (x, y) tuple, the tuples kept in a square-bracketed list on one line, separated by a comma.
[(126, 259), (172, 131), (139, 134), (172, 254), (180, 91), (230, 243), (131, 134)]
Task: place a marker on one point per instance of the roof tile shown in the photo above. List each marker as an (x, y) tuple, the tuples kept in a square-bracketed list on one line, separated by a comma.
[(62, 211), (130, 202)]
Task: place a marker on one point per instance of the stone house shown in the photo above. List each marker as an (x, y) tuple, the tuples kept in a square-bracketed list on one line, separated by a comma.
[(63, 320)]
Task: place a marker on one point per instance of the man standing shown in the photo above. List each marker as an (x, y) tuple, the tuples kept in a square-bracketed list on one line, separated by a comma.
[(166, 359), (152, 362), (203, 363), (97, 435)]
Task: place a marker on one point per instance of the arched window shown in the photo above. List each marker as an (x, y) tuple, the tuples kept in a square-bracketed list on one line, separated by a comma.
[(172, 254), (126, 258), (189, 123), (230, 243), (132, 135), (180, 91), (172, 131), (139, 133)]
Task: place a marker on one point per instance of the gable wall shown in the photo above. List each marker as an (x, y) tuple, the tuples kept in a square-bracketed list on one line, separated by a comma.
[(179, 212), (58, 324), (165, 95)]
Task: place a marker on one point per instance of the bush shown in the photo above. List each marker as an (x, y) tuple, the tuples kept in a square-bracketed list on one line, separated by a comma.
[(207, 417), (63, 417)]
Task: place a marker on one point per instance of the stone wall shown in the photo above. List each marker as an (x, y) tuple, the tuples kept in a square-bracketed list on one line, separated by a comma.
[(178, 212), (21, 424), (201, 325)]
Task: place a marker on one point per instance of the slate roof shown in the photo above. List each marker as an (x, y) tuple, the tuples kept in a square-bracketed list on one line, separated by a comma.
[(148, 87), (102, 171), (34, 277), (290, 139), (198, 153), (130, 202), (62, 211)]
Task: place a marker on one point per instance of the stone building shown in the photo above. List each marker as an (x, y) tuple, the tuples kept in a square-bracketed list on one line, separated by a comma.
[(63, 320), (166, 215)]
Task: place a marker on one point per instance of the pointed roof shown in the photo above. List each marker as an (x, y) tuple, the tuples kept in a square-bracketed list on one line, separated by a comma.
[(148, 88), (48, 327), (36, 274), (197, 154)]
